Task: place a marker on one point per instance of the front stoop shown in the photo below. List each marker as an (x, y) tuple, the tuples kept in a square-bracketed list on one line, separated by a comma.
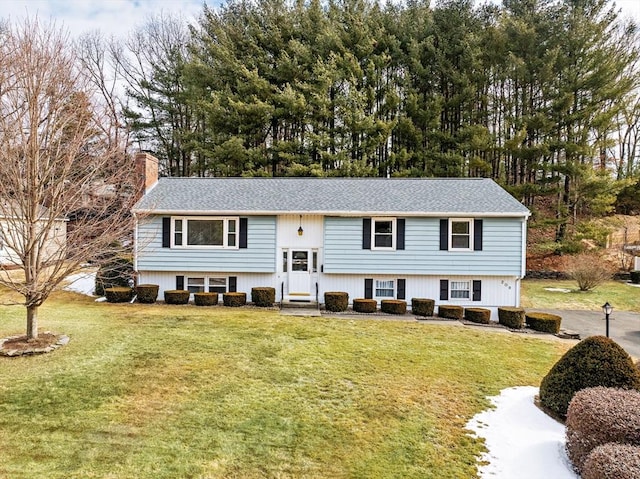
[(299, 306)]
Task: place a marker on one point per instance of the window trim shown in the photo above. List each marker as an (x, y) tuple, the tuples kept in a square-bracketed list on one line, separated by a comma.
[(394, 288), (469, 290), (471, 236), (206, 278), (225, 233), (394, 231)]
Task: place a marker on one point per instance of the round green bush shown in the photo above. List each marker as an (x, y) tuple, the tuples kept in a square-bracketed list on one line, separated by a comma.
[(393, 306), (478, 315), (176, 296), (450, 311), (234, 299), (612, 461), (543, 322), (422, 306), (147, 293), (118, 294), (205, 299), (362, 305), (336, 301), (114, 271), (597, 416), (263, 296), (512, 318), (595, 361)]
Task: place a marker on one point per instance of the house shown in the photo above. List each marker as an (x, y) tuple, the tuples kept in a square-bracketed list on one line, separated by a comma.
[(458, 241)]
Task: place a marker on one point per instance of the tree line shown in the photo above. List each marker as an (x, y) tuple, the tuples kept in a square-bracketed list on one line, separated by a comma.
[(541, 95)]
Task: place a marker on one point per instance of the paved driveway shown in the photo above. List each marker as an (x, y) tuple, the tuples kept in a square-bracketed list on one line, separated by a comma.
[(624, 326)]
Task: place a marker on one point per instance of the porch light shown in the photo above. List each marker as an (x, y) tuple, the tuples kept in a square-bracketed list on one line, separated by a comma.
[(300, 230)]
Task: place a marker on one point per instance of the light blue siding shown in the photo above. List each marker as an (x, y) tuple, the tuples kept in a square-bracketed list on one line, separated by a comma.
[(501, 254), (258, 257)]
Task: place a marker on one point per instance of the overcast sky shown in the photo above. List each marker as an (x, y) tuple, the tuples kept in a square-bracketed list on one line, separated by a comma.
[(119, 17)]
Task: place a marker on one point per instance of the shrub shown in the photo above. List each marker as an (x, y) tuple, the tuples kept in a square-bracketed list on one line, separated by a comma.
[(612, 461), (450, 311), (362, 305), (147, 293), (118, 294), (588, 271), (478, 315), (635, 276), (595, 361), (336, 301), (205, 299), (115, 271), (393, 306), (234, 299), (511, 317), (422, 306), (176, 296), (597, 416), (263, 296), (544, 322)]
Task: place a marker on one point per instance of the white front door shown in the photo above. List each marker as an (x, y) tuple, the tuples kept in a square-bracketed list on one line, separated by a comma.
[(300, 272)]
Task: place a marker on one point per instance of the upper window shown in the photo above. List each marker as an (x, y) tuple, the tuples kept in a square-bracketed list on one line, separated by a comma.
[(461, 234), (205, 231), (383, 233)]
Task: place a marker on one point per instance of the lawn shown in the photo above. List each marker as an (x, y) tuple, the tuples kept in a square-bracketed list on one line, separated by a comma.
[(544, 294), (157, 391)]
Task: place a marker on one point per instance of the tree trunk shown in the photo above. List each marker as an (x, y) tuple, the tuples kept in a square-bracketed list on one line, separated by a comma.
[(32, 322)]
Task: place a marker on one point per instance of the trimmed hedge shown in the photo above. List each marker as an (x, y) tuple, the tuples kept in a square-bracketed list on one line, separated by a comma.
[(513, 318), (147, 293), (595, 361), (612, 461), (235, 299), (336, 301), (118, 294), (205, 299), (393, 306), (361, 305), (478, 315), (263, 296), (450, 311), (176, 296), (422, 306), (543, 322), (597, 416), (635, 276)]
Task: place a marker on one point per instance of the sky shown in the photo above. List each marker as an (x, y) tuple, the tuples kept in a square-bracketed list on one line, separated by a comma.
[(120, 17)]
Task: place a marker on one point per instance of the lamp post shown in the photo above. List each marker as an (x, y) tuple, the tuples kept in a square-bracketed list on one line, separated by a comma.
[(608, 309)]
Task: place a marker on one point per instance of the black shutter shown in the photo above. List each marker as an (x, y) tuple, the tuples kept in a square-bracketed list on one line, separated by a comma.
[(444, 235), (243, 233), (233, 284), (366, 233), (179, 282), (368, 288), (166, 232), (400, 233), (444, 289), (402, 284), (477, 290), (477, 235)]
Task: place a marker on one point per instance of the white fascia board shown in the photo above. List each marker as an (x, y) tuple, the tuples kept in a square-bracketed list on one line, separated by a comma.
[(333, 213)]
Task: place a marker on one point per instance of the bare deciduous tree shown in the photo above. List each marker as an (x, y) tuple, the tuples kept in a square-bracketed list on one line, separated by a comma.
[(58, 162)]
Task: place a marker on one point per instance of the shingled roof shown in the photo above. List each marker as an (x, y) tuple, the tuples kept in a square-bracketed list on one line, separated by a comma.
[(339, 196)]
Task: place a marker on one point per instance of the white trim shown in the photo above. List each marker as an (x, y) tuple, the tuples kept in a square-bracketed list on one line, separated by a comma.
[(523, 262), (394, 288), (469, 289), (185, 231), (394, 233), (470, 222)]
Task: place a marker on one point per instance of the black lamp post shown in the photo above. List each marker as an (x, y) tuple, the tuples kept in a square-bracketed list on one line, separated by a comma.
[(608, 309)]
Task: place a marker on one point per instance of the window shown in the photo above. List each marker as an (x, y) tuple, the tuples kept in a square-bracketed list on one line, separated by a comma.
[(461, 234), (195, 285), (314, 264), (218, 285), (285, 264), (383, 232), (209, 232), (460, 289), (206, 284), (384, 288)]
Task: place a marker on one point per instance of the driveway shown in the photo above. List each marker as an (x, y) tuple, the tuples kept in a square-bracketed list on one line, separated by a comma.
[(624, 326)]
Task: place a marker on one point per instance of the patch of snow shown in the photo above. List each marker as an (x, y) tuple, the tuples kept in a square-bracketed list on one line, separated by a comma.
[(83, 283), (558, 290), (521, 440)]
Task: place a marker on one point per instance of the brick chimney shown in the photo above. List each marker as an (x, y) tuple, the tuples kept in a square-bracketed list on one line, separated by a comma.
[(146, 171)]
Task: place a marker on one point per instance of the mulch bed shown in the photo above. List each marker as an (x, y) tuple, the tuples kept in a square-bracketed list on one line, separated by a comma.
[(20, 346)]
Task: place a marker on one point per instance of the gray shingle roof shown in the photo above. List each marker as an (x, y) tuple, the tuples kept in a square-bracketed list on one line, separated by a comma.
[(375, 196)]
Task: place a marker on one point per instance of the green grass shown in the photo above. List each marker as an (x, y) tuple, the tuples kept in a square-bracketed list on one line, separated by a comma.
[(156, 391), (535, 294)]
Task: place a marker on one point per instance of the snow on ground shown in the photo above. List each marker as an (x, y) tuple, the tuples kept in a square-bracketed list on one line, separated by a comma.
[(83, 283), (522, 441)]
